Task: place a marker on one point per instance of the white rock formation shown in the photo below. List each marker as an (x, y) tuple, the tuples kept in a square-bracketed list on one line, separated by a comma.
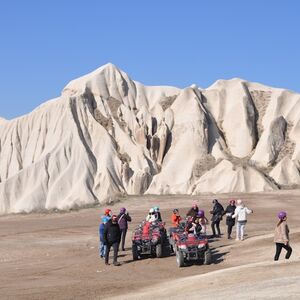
[(286, 172), (227, 178), (108, 135)]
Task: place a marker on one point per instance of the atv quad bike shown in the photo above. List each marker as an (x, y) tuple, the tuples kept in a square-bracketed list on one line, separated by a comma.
[(150, 239), (190, 247)]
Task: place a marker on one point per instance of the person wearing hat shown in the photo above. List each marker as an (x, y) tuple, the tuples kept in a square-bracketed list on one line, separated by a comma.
[(175, 218), (217, 213), (123, 219), (112, 237), (230, 222), (281, 236), (240, 214), (107, 213), (193, 211), (102, 246), (152, 216)]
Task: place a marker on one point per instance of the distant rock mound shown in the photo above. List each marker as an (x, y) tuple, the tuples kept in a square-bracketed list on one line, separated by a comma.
[(108, 135)]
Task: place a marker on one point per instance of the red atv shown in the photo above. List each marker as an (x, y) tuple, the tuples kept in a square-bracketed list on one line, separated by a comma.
[(150, 239), (190, 247)]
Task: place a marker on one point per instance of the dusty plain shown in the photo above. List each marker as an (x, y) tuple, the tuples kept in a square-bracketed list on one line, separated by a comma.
[(55, 255)]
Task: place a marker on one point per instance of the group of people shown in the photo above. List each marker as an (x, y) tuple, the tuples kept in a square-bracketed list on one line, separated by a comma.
[(112, 233), (113, 228), (235, 211)]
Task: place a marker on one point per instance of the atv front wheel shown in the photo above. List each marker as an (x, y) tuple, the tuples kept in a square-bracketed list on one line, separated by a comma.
[(159, 252), (207, 257), (135, 254), (179, 259)]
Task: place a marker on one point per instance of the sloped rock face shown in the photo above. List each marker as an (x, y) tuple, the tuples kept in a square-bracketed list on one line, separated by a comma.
[(286, 173), (271, 143), (227, 178), (108, 135)]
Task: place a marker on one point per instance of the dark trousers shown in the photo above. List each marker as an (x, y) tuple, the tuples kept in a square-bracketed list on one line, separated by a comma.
[(279, 247), (123, 237), (115, 247), (229, 229), (215, 224)]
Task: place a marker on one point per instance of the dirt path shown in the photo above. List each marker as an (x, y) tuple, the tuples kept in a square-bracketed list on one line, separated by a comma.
[(55, 256)]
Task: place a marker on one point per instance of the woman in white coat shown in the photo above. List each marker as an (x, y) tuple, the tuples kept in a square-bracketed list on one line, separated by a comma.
[(240, 214)]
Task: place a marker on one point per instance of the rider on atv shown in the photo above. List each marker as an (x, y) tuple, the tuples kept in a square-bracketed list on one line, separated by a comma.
[(175, 218), (152, 216), (194, 226)]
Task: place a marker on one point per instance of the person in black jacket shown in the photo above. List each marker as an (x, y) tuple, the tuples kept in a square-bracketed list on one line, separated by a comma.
[(216, 218), (123, 219), (112, 237), (229, 211), (193, 211)]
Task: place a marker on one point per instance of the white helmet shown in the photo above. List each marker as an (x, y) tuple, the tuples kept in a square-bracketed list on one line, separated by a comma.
[(239, 202), (151, 210)]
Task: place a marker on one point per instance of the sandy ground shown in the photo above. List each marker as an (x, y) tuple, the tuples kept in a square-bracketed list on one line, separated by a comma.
[(55, 256)]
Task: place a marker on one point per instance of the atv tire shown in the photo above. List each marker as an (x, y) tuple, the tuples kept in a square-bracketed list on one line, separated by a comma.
[(207, 257), (179, 259), (135, 254), (159, 250)]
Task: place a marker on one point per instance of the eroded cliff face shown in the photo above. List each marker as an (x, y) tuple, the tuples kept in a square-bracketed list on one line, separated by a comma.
[(108, 135)]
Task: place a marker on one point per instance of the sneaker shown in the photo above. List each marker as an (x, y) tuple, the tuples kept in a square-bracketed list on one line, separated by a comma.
[(237, 239), (117, 264), (107, 264)]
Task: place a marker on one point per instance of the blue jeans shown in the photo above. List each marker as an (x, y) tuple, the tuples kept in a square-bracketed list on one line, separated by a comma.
[(102, 249)]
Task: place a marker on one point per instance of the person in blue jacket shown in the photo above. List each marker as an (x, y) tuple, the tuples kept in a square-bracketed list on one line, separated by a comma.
[(102, 246)]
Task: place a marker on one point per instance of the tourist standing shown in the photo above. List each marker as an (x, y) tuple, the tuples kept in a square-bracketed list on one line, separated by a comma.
[(112, 237), (240, 214), (217, 213), (229, 211), (102, 246), (123, 219)]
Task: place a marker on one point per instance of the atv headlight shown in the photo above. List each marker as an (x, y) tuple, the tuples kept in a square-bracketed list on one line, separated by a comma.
[(201, 246), (182, 246)]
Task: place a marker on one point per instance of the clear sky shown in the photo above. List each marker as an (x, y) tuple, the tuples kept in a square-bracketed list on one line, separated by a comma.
[(46, 43)]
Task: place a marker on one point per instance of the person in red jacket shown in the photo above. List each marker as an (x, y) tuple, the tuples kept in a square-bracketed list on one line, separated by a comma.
[(175, 218)]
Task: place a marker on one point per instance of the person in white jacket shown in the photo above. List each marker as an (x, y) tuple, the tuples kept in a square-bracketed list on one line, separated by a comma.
[(152, 216), (240, 214)]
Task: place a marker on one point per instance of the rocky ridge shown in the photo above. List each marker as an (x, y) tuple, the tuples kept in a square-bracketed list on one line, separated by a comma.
[(107, 135)]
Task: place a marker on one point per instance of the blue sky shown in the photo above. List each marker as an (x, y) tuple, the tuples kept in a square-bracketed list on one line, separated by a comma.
[(45, 44)]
